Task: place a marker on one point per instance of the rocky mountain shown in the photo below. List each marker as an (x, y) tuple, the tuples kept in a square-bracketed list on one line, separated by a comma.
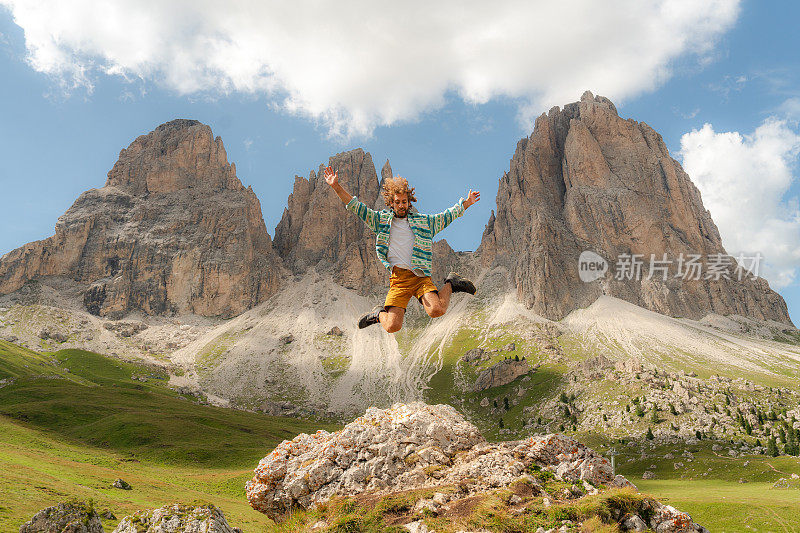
[(172, 231), (587, 179), (316, 231)]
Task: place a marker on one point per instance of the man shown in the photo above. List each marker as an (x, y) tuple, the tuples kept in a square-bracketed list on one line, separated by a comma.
[(404, 241)]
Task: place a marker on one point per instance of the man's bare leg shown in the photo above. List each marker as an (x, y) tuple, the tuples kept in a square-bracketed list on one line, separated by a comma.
[(436, 304), (392, 318)]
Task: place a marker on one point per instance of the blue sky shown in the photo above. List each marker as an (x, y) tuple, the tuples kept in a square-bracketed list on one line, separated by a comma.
[(68, 109)]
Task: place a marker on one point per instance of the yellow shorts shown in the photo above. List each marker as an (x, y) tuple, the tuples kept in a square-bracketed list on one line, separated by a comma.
[(403, 284)]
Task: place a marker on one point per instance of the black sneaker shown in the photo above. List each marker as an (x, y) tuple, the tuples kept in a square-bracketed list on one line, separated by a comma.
[(459, 284), (370, 318)]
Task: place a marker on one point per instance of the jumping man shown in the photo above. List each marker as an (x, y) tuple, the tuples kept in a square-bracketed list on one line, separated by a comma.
[(404, 241)]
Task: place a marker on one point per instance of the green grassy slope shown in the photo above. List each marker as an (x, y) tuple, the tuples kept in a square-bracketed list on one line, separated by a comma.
[(73, 421)]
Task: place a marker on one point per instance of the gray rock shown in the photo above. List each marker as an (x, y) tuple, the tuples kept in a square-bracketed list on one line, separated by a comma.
[(120, 483), (417, 527), (72, 517), (634, 523), (501, 373), (178, 519), (406, 447), (475, 354)]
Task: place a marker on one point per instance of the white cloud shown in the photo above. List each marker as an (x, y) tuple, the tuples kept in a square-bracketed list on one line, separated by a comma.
[(360, 64), (745, 181), (791, 108)]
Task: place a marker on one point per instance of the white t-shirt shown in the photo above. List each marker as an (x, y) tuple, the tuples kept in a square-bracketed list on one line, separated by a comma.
[(401, 244)]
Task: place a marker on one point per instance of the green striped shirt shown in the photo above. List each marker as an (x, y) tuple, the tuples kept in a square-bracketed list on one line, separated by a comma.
[(424, 228)]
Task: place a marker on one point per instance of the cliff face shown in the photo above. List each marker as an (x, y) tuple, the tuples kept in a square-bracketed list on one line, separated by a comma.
[(172, 230), (317, 231), (587, 179)]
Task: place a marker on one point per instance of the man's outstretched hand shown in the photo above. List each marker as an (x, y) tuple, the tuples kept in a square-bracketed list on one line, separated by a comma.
[(331, 177), (473, 197)]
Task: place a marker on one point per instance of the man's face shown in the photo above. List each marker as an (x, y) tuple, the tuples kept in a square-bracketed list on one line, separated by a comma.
[(400, 205)]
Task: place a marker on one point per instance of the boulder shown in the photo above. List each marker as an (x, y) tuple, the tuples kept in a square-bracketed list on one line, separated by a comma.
[(177, 519), (475, 354), (120, 483), (501, 373), (405, 447), (68, 517)]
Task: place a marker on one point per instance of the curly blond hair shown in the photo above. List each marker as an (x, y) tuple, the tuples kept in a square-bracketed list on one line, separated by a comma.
[(397, 185)]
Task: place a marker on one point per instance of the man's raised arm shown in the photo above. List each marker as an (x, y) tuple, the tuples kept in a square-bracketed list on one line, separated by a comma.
[(332, 179), (441, 220), (351, 203)]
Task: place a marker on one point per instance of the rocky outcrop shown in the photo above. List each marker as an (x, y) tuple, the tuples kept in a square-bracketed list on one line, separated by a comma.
[(172, 231), (72, 517), (587, 179), (177, 518), (397, 451), (405, 447), (500, 373)]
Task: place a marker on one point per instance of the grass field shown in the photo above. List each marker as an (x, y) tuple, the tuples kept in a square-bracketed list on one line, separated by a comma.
[(720, 492)]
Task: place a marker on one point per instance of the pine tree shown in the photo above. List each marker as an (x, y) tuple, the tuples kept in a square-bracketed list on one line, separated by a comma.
[(772, 447), (654, 418), (672, 409), (505, 403), (649, 434), (501, 423)]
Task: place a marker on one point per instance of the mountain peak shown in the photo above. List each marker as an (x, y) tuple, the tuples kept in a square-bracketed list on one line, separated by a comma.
[(588, 180), (179, 154)]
